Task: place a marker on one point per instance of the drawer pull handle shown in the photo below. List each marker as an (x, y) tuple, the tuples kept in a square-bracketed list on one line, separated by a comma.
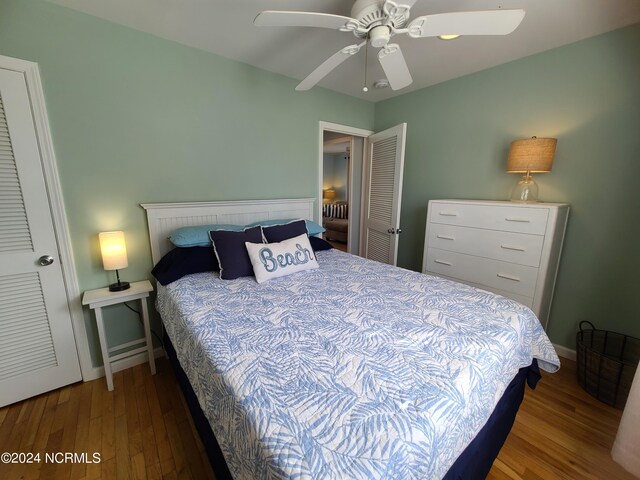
[(509, 247), (508, 277), (445, 237), (442, 262), (519, 220), (448, 214)]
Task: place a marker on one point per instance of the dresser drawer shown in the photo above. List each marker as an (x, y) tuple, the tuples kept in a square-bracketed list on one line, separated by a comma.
[(511, 247), (524, 300), (508, 218), (519, 279)]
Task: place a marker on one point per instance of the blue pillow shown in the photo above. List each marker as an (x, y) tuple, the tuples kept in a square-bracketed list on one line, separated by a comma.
[(232, 253), (198, 236), (312, 227), (183, 261), (318, 244), (279, 233)]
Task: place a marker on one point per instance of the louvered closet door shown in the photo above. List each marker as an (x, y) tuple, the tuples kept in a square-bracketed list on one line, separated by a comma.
[(37, 347), (383, 193)]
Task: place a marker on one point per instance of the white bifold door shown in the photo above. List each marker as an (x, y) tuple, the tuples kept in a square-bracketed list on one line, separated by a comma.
[(383, 194), (37, 346)]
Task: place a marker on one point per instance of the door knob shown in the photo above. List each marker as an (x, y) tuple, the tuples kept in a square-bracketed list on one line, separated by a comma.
[(399, 231), (45, 260), (391, 230)]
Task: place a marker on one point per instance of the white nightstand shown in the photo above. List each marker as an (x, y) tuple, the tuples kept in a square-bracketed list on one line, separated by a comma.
[(102, 297)]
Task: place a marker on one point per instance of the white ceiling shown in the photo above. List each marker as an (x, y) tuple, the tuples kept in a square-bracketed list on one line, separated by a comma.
[(225, 27)]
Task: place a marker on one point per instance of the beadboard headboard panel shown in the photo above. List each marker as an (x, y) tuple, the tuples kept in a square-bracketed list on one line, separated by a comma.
[(163, 218)]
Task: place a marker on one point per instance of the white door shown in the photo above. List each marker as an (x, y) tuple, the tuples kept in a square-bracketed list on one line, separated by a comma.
[(383, 194), (37, 346)]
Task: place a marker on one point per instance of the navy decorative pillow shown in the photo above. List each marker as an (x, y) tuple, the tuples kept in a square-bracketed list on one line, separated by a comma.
[(183, 261), (318, 244), (232, 253), (278, 233)]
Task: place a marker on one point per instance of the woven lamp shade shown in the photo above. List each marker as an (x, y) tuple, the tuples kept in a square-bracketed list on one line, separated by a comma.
[(531, 155), (329, 194)]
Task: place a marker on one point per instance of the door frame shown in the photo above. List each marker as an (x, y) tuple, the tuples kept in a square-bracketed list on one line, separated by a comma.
[(33, 81), (347, 130)]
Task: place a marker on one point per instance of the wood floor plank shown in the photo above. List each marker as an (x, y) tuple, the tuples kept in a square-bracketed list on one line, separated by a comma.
[(7, 426), (94, 443), (35, 418), (122, 458), (79, 469), (108, 468), (131, 408), (71, 422), (48, 469), (108, 434), (3, 414), (165, 455), (96, 400), (65, 392), (152, 461)]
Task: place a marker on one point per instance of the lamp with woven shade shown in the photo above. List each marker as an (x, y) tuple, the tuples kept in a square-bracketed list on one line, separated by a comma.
[(329, 195), (530, 155)]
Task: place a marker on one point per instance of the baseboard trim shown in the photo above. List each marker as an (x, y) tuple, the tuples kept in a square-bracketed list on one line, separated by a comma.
[(565, 352), (125, 363)]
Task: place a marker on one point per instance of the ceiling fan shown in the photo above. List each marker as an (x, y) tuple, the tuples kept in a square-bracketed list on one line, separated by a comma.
[(376, 21)]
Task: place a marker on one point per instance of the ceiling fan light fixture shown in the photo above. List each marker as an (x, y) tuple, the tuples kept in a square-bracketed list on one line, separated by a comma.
[(379, 36), (448, 36)]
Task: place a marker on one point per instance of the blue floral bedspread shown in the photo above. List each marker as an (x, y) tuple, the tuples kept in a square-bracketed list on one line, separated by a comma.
[(355, 370)]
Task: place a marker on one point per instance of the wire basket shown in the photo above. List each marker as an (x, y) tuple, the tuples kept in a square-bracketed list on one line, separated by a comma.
[(606, 363)]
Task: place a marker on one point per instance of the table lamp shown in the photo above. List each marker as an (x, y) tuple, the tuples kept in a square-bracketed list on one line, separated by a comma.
[(329, 195), (530, 155), (114, 256)]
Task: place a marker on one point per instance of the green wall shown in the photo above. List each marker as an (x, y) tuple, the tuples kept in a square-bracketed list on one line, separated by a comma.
[(585, 94), (137, 119)]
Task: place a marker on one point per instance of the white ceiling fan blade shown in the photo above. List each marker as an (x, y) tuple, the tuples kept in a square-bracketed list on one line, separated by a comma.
[(394, 66), (273, 18), (489, 22), (329, 64)]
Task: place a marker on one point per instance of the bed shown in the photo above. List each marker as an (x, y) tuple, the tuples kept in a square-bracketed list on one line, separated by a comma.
[(353, 370)]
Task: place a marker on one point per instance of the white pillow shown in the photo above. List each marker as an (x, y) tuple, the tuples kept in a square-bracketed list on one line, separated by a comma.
[(272, 260)]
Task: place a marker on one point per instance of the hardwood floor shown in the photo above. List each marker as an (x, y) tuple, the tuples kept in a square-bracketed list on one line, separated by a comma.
[(142, 430), (561, 432)]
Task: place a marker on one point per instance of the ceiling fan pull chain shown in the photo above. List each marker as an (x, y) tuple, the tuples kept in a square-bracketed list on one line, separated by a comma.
[(366, 58)]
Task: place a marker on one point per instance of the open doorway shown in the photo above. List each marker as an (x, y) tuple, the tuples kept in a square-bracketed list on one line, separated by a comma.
[(345, 152), (336, 169), (374, 188)]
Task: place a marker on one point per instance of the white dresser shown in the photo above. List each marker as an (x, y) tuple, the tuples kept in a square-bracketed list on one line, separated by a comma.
[(512, 249)]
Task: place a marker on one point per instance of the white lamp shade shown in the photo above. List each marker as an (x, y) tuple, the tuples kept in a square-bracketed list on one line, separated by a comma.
[(114, 250)]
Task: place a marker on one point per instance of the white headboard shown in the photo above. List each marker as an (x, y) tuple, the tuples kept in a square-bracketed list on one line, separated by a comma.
[(163, 218)]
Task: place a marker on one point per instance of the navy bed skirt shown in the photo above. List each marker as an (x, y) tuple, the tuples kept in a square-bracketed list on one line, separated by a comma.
[(473, 463)]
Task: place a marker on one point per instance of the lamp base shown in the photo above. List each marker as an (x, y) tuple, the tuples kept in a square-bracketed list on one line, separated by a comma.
[(119, 286), (526, 191)]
